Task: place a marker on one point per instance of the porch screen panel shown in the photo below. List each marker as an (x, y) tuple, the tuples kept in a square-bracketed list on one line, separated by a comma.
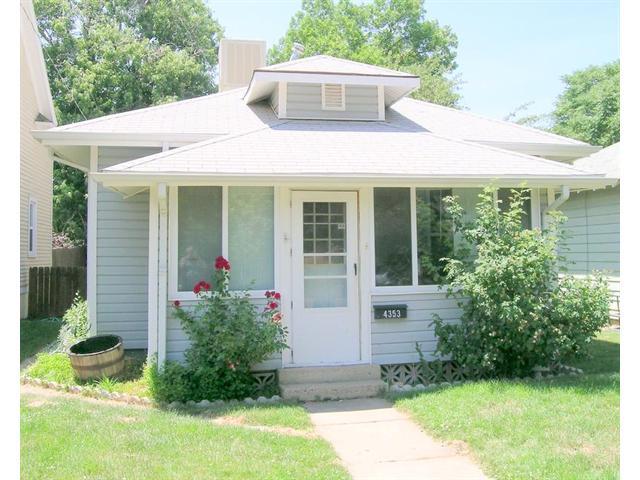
[(199, 234), (251, 237), (392, 223), (435, 235)]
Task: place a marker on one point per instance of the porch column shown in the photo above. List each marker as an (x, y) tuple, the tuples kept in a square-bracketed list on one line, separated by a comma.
[(92, 236), (152, 315), (162, 273)]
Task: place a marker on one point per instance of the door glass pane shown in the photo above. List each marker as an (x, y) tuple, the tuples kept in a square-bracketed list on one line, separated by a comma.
[(392, 223), (324, 250), (251, 237), (199, 234)]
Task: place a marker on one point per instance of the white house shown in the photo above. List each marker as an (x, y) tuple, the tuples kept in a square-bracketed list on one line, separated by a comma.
[(36, 165), (310, 177), (593, 223)]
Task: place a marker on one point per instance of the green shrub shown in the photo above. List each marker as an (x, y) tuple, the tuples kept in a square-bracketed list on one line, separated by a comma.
[(517, 312), (75, 324), (54, 367), (228, 337)]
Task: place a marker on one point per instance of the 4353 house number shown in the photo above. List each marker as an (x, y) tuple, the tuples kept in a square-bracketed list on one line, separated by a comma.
[(389, 312)]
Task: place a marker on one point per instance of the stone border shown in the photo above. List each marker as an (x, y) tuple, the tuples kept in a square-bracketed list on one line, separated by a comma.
[(99, 393), (407, 388)]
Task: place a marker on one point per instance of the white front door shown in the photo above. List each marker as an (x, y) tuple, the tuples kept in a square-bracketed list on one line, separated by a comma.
[(325, 327)]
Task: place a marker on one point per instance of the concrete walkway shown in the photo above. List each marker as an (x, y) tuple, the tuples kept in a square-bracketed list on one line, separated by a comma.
[(376, 441)]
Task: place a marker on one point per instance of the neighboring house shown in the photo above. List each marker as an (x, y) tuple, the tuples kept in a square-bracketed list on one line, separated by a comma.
[(36, 164), (593, 223), (321, 179)]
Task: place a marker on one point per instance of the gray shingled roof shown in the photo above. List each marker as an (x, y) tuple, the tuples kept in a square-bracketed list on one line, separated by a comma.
[(344, 149), (605, 161)]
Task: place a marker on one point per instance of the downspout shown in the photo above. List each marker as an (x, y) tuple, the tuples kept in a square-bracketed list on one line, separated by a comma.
[(564, 196), (162, 274)]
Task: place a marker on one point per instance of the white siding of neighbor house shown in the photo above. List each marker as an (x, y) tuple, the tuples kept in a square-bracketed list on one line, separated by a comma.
[(36, 172), (304, 100), (593, 223), (122, 255), (177, 341), (594, 228)]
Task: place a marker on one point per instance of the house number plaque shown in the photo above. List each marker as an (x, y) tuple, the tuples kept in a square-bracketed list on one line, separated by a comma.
[(389, 312)]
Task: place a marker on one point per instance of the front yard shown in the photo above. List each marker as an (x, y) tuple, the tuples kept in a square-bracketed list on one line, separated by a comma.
[(566, 427), (64, 437)]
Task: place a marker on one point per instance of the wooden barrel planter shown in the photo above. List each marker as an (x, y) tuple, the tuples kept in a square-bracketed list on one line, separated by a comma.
[(97, 357)]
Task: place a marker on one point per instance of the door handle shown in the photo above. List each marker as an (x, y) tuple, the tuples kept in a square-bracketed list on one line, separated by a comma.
[(355, 269)]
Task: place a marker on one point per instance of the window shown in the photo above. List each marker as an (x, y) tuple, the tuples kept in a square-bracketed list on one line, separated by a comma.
[(333, 96), (236, 222), (504, 196), (412, 233), (435, 235), (251, 237), (199, 233), (32, 233), (392, 225)]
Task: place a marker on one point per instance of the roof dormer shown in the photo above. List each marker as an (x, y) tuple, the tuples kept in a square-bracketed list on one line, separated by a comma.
[(328, 88)]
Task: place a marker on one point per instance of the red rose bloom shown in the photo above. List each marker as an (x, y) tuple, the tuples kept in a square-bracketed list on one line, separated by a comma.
[(267, 294), (273, 305), (222, 263), (276, 295), (176, 303), (197, 288)]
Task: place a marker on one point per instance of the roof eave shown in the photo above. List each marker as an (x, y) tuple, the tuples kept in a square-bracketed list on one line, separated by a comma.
[(565, 152), (110, 178), (408, 82), (130, 139)]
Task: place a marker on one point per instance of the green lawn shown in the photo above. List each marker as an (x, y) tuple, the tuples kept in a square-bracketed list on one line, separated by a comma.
[(562, 428), (63, 438), (37, 334)]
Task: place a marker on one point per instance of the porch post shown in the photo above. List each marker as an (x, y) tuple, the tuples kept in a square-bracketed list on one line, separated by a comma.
[(162, 273), (92, 235), (152, 316)]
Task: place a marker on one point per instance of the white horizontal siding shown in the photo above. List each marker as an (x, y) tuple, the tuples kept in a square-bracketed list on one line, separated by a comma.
[(304, 100), (122, 247), (593, 228), (178, 342), (394, 341)]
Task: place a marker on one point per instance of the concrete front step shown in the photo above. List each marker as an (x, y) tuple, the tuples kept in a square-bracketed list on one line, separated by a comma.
[(339, 373), (331, 390)]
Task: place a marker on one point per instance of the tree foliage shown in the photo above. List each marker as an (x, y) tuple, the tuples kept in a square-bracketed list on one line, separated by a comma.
[(517, 312), (108, 57), (391, 33), (589, 107)]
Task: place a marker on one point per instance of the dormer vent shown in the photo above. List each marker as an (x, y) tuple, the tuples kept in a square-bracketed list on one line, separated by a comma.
[(333, 96)]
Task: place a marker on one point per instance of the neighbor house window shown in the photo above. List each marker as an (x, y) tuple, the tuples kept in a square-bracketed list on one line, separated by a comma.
[(413, 233), (392, 224), (236, 222), (504, 196), (32, 233)]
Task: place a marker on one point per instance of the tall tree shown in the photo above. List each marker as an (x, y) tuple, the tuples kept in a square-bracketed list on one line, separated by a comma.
[(110, 56), (589, 107), (391, 33)]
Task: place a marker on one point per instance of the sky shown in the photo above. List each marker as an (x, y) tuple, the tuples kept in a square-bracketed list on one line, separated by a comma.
[(510, 52)]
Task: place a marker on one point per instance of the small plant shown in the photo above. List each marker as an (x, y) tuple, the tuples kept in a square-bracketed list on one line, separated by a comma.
[(229, 335), (75, 324), (517, 312)]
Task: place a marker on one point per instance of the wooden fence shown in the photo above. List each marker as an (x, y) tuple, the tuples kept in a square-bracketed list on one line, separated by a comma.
[(52, 289)]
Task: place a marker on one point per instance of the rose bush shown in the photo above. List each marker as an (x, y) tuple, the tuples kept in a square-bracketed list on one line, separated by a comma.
[(517, 312), (228, 335)]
